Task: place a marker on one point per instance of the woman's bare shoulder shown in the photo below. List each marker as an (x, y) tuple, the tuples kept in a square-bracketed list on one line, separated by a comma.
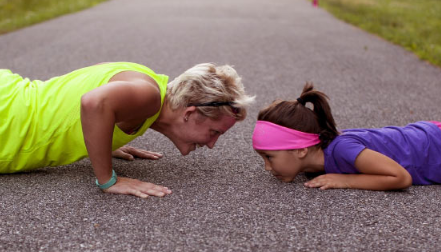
[(132, 76)]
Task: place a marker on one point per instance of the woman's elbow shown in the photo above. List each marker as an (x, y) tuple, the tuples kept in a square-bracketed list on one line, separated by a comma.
[(89, 103)]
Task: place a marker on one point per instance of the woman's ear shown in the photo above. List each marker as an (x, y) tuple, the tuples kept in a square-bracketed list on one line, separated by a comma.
[(187, 112)]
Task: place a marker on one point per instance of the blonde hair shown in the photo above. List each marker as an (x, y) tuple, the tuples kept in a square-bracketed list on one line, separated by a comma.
[(205, 83)]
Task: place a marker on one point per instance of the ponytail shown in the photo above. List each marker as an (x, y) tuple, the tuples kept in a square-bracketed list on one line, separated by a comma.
[(295, 115)]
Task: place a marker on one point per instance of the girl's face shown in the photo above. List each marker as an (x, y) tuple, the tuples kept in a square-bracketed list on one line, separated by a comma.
[(283, 164)]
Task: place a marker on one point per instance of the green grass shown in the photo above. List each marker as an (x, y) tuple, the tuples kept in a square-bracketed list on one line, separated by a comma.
[(16, 14), (413, 24)]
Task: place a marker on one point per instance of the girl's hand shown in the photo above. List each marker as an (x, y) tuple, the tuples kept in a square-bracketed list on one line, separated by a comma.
[(129, 153), (137, 188), (328, 181)]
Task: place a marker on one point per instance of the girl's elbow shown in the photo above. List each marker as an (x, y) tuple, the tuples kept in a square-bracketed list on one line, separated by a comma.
[(405, 180)]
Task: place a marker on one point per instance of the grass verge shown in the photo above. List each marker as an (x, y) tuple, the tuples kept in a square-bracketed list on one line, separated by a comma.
[(16, 14), (413, 24)]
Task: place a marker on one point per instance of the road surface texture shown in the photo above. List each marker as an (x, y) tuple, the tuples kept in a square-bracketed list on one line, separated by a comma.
[(223, 199)]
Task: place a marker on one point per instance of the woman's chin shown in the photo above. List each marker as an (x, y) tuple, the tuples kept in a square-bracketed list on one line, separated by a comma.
[(185, 152)]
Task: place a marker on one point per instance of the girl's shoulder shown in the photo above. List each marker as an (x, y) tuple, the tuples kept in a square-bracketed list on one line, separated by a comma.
[(341, 153)]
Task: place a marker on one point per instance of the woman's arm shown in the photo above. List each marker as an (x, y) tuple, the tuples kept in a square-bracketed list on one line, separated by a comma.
[(379, 172), (101, 109)]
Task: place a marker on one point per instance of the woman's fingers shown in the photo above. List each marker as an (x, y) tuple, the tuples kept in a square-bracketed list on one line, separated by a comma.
[(138, 188), (139, 194), (146, 154), (123, 155), (128, 153), (155, 190)]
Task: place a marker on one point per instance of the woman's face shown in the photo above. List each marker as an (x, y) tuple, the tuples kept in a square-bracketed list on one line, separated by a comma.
[(199, 131), (283, 164)]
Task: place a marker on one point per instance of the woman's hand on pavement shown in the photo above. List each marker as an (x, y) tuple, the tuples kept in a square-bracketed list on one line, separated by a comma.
[(137, 188), (129, 153)]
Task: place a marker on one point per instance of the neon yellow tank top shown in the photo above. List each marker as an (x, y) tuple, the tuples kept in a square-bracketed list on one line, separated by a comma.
[(40, 122)]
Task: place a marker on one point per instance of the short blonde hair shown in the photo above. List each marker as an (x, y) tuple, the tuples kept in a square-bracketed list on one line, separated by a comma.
[(205, 83)]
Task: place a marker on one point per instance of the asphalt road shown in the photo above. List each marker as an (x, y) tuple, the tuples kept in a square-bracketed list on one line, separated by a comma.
[(222, 199)]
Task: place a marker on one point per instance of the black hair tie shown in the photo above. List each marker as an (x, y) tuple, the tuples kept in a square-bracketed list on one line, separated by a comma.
[(301, 101)]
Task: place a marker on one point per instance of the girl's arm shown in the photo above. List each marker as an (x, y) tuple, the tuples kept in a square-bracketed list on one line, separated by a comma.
[(101, 109), (379, 172)]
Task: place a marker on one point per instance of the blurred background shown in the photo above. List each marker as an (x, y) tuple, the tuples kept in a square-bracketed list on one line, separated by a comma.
[(413, 24)]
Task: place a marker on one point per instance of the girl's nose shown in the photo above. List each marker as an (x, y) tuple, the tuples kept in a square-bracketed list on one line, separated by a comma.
[(267, 167)]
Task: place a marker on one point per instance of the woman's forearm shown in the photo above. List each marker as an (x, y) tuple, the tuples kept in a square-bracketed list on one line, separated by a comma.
[(98, 122)]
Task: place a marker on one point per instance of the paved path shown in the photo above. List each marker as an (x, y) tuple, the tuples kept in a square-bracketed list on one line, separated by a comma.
[(223, 200)]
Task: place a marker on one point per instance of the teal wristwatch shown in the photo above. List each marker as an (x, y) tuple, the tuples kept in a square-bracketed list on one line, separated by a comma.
[(109, 183)]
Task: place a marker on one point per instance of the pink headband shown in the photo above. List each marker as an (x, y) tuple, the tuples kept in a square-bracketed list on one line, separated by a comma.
[(270, 136)]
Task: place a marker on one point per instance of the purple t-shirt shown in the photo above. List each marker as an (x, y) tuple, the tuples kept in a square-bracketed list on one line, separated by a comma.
[(416, 147)]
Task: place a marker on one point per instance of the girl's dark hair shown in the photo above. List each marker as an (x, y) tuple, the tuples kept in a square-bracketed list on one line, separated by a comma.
[(295, 115)]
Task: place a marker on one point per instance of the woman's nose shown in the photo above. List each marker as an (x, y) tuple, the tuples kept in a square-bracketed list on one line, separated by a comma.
[(212, 142)]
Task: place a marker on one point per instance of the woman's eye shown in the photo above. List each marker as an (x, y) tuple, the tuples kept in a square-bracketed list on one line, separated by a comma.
[(268, 157)]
